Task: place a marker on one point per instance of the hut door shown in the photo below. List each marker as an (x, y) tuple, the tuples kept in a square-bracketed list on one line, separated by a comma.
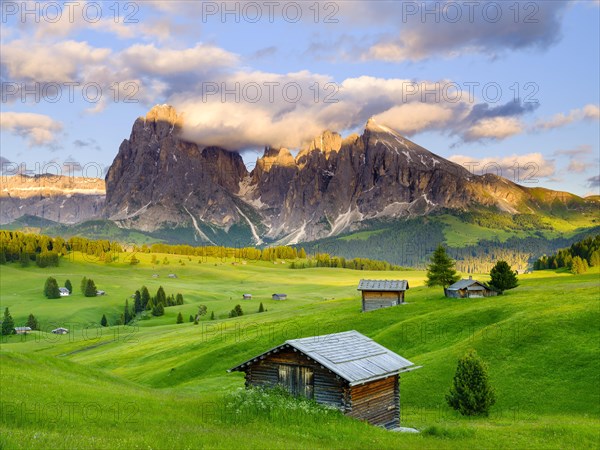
[(297, 380)]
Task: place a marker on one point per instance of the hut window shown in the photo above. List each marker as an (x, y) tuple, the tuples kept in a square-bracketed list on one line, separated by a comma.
[(298, 380)]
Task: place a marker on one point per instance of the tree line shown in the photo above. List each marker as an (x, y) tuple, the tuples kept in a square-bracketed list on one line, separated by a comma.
[(577, 258), (326, 260)]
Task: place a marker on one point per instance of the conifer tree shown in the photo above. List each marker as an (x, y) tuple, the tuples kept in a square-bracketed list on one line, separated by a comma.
[(502, 277), (103, 321), (32, 322), (69, 286), (8, 324), (145, 296), (441, 271), (179, 318), (51, 288), (261, 308), (90, 288)]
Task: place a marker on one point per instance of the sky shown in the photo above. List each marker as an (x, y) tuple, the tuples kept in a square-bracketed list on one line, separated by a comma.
[(510, 88)]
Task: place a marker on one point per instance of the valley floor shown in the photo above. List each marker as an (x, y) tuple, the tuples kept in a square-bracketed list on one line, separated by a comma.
[(162, 385)]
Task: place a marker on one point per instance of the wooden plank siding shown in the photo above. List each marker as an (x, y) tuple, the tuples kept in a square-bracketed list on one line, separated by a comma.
[(372, 300), (328, 387), (377, 402)]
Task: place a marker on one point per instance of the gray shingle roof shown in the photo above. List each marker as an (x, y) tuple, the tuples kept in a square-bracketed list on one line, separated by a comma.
[(350, 355), (464, 283), (382, 285)]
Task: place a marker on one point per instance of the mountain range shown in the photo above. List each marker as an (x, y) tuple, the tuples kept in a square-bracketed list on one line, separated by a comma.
[(160, 183)]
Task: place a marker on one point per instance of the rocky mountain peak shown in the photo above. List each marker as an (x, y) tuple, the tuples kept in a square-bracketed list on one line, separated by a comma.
[(164, 113)]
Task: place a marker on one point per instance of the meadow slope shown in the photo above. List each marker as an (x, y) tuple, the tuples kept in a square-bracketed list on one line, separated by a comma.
[(159, 384)]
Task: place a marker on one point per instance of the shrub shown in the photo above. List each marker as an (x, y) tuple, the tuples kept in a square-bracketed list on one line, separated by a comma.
[(180, 318), (471, 393)]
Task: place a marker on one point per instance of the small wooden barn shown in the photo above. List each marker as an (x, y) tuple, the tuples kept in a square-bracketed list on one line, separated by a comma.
[(247, 296), (279, 296), (22, 330), (64, 292), (378, 294), (346, 370), (469, 288), (60, 330)]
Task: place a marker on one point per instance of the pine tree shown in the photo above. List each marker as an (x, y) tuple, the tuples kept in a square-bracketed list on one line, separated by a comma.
[(471, 392), (161, 297), (180, 318), (191, 318), (595, 258), (127, 313), (90, 288), (24, 259), (158, 310), (8, 324), (137, 302), (83, 285), (69, 286), (103, 321), (502, 277), (32, 322), (51, 288), (145, 296), (577, 265), (441, 271), (179, 300), (302, 254), (212, 315), (261, 308)]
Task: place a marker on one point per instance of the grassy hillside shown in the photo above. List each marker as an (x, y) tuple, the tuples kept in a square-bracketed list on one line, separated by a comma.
[(162, 385)]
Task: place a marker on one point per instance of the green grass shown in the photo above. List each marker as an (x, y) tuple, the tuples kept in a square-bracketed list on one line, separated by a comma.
[(162, 385)]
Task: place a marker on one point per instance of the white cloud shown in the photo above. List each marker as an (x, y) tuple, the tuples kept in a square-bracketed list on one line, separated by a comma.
[(57, 62), (588, 112), (494, 128), (37, 129), (519, 168)]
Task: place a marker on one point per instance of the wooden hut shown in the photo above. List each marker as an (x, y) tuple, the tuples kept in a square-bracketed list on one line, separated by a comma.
[(247, 296), (279, 296), (60, 330), (469, 288), (346, 370), (22, 330), (378, 294)]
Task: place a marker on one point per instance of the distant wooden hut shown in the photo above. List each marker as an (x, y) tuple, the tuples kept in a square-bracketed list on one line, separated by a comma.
[(346, 370), (378, 294), (469, 288), (60, 330), (100, 293), (247, 296), (279, 296), (64, 292), (172, 275), (22, 330)]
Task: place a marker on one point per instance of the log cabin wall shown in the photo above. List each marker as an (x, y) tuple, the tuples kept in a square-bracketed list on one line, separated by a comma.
[(373, 300), (377, 402), (328, 387)]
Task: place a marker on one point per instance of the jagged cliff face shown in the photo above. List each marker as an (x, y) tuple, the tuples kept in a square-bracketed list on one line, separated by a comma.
[(66, 200), (333, 184), (158, 179)]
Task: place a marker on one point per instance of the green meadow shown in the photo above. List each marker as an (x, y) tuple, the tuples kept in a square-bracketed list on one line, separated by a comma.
[(158, 384)]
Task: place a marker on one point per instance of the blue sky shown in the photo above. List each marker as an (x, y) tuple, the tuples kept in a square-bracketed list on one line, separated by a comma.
[(533, 68)]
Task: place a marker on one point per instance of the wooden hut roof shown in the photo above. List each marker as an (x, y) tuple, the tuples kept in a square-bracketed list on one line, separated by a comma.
[(350, 355), (382, 285), (466, 284)]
